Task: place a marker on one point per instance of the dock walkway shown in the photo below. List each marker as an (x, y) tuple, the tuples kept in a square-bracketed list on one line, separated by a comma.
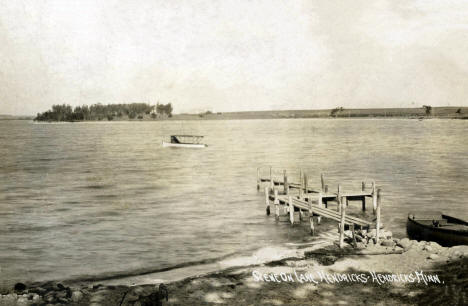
[(321, 211)]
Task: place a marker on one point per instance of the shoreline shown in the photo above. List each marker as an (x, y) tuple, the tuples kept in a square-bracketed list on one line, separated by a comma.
[(407, 273), (175, 118), (439, 112)]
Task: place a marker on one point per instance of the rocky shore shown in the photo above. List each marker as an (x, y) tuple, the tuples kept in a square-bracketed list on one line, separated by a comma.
[(392, 272)]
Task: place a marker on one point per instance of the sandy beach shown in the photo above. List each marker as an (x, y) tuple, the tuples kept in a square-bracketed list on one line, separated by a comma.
[(393, 272)]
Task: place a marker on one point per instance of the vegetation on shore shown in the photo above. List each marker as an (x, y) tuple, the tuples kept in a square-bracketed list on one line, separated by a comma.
[(448, 112), (143, 111), (108, 112)]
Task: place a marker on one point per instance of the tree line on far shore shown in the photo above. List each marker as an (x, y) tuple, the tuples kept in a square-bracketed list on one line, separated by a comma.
[(109, 112)]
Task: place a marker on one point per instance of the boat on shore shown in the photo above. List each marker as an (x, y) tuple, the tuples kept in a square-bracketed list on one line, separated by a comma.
[(185, 141), (435, 226)]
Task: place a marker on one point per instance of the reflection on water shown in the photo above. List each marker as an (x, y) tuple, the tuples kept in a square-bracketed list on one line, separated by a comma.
[(93, 198)]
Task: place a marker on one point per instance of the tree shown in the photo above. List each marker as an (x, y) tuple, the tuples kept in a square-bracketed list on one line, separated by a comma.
[(169, 109), (61, 112), (164, 109), (428, 109), (334, 112)]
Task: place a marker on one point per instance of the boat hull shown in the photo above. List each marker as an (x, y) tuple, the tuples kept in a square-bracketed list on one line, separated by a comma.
[(184, 145), (454, 233)]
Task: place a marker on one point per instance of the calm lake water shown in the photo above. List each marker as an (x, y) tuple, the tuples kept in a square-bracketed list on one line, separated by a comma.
[(105, 197)]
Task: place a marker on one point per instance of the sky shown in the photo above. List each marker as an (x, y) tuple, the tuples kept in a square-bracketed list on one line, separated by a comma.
[(233, 55)]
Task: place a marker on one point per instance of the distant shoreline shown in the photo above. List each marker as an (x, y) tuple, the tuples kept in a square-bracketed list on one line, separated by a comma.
[(406, 113), (10, 117), (445, 112)]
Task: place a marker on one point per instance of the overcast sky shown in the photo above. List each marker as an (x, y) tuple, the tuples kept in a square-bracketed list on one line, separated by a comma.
[(233, 55)]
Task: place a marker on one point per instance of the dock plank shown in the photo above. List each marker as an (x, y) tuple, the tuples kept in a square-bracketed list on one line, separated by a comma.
[(325, 212)]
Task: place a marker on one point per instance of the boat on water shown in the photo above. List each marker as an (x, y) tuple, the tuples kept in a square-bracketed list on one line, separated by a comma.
[(185, 141), (435, 226)]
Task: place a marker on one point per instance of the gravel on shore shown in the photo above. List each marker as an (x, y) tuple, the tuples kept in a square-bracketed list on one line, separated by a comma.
[(392, 272)]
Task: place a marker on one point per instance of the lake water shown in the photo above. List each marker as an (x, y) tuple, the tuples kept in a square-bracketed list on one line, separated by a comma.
[(105, 197)]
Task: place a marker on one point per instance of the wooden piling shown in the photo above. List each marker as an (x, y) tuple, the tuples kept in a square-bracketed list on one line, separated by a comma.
[(312, 229), (301, 192), (291, 210), (377, 223), (342, 222), (271, 179), (363, 200), (338, 199), (323, 182), (301, 182), (320, 204), (325, 202), (311, 219), (374, 198), (286, 184), (276, 203), (267, 201), (306, 183), (258, 178)]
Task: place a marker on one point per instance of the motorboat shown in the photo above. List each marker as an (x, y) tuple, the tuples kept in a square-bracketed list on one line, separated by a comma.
[(185, 141)]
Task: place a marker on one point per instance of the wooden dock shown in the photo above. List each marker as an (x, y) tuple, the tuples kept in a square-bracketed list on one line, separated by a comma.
[(315, 202)]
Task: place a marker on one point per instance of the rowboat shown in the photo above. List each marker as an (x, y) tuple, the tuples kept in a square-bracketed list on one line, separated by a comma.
[(435, 226), (185, 141)]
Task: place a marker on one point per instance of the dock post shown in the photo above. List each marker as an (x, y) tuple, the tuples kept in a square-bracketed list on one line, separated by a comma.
[(301, 216), (363, 185), (338, 199), (291, 210), (320, 204), (374, 197), (306, 184), (323, 182), (377, 224), (267, 201), (276, 203), (301, 182), (258, 178), (311, 219), (271, 180), (342, 222), (286, 184), (326, 201)]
